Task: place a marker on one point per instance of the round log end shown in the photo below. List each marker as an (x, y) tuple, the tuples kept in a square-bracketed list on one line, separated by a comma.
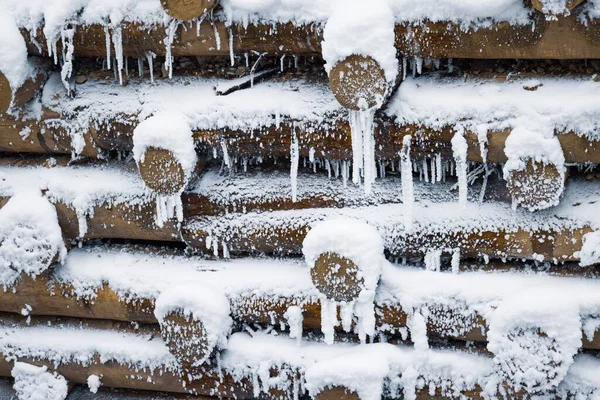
[(186, 10), (6, 94), (540, 5), (337, 393), (162, 172), (537, 187), (186, 339), (358, 83), (336, 277)]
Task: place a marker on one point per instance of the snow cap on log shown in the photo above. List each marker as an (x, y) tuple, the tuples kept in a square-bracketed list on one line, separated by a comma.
[(30, 237), (14, 67), (35, 383), (535, 171), (534, 339), (590, 251), (194, 320), (360, 53), (552, 8), (163, 148), (186, 10), (345, 257)]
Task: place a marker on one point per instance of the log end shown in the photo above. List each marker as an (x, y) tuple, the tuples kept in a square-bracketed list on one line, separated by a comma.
[(540, 5), (162, 172), (186, 10), (337, 393), (336, 277), (186, 339), (358, 82), (536, 187), (6, 94)]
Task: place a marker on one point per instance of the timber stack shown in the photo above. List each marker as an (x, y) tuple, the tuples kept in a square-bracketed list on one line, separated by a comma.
[(291, 200)]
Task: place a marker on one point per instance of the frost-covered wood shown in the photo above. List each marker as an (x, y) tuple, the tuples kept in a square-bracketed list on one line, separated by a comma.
[(17, 97), (553, 7), (186, 10)]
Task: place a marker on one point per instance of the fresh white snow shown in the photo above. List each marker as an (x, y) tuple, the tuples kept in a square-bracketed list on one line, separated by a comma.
[(37, 383)]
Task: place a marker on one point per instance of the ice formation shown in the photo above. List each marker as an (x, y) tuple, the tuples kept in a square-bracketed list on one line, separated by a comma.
[(199, 303), (590, 251), (459, 149), (30, 237), (362, 244), (37, 383), (536, 145), (295, 319), (94, 383), (408, 197), (169, 131)]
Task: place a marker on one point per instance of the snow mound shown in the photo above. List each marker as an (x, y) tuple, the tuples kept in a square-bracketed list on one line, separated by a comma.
[(94, 383), (13, 58), (37, 383), (590, 251), (30, 236), (203, 303), (355, 29)]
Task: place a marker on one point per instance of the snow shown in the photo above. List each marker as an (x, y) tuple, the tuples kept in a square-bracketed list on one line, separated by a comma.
[(459, 151), (61, 344), (37, 383), (198, 303), (80, 187), (408, 196), (368, 31), (363, 148), (295, 319), (94, 383), (590, 251), (482, 104), (30, 237), (13, 59)]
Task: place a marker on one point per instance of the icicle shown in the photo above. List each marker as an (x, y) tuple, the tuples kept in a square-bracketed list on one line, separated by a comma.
[(296, 62), (168, 207), (365, 312), (328, 169), (407, 183), (418, 332), (404, 67), (433, 260), (450, 66), (455, 261), (226, 158), (127, 67), (294, 158), (425, 171), (419, 65), (117, 39), (433, 170), (231, 56), (345, 169), (171, 30), (281, 63), (225, 249), (82, 216), (217, 37), (459, 149), (150, 57), (363, 147), (140, 67), (295, 319), (347, 314), (438, 167), (68, 48), (253, 69), (336, 169), (328, 318), (108, 56), (247, 60)]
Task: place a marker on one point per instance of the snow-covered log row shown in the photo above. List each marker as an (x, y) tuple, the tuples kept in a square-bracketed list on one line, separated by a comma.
[(510, 309), (532, 37)]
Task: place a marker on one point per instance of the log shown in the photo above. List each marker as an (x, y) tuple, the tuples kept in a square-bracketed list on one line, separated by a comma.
[(536, 187), (337, 393), (342, 393), (336, 277), (162, 171), (186, 10), (186, 339), (358, 82), (565, 38), (18, 97)]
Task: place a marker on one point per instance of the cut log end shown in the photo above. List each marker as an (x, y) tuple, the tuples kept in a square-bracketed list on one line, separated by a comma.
[(162, 172), (6, 94), (358, 82), (536, 187), (186, 340), (336, 277), (337, 393), (186, 10), (540, 5)]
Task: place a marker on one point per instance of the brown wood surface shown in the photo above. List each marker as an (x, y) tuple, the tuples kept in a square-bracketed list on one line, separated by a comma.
[(565, 38), (21, 96), (49, 299)]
